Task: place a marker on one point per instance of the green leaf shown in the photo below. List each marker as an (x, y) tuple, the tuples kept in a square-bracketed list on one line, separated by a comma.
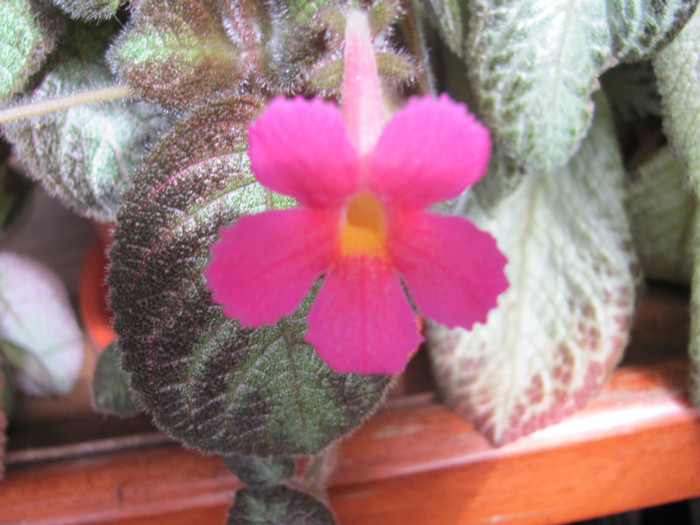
[(89, 9), (180, 53), (29, 33), (640, 28), (451, 18), (39, 335), (677, 70), (562, 325), (209, 382), (533, 66), (280, 505), (85, 155), (260, 473), (632, 92), (111, 389), (678, 73), (661, 208)]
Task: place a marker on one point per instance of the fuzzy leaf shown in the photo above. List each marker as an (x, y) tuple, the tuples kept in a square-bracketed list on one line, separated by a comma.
[(39, 335), (85, 155), (111, 389), (260, 473), (451, 18), (661, 208), (678, 74), (29, 33), (640, 28), (179, 53), (301, 11), (207, 381), (677, 70), (533, 66), (89, 9), (562, 325), (277, 506)]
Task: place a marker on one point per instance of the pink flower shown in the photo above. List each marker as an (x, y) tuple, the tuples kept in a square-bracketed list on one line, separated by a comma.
[(363, 189)]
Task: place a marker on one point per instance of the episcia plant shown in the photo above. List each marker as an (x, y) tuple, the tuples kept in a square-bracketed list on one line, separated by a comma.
[(291, 220)]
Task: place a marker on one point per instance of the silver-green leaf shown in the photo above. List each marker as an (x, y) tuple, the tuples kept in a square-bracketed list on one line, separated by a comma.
[(30, 29), (85, 155), (661, 208), (533, 65), (677, 69), (39, 335), (563, 324), (640, 28)]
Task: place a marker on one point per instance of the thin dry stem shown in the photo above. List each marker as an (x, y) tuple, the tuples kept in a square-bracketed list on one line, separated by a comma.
[(75, 99)]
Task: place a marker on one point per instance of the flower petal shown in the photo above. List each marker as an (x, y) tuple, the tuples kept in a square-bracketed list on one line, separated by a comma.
[(453, 271), (431, 150), (265, 264), (300, 148), (361, 320)]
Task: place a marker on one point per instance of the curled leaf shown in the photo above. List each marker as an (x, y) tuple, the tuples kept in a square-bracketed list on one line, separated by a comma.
[(562, 326), (207, 381), (39, 335)]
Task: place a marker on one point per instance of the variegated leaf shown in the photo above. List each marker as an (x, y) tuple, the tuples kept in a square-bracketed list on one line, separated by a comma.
[(30, 29), (678, 72), (640, 28), (85, 155), (209, 382), (661, 208), (562, 326), (181, 53), (533, 65), (39, 335)]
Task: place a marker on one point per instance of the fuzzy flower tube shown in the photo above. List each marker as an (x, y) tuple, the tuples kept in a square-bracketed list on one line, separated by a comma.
[(363, 188)]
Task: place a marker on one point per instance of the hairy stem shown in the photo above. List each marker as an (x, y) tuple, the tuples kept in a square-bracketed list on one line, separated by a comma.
[(75, 99)]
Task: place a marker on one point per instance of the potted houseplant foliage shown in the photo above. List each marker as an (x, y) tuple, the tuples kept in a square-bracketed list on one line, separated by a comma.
[(269, 167)]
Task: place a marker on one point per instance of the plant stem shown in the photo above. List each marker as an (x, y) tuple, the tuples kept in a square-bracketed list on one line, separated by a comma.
[(68, 101)]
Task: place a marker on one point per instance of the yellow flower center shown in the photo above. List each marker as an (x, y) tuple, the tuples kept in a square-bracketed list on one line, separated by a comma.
[(363, 227)]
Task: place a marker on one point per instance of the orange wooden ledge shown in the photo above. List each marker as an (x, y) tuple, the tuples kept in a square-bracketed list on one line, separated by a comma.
[(637, 444)]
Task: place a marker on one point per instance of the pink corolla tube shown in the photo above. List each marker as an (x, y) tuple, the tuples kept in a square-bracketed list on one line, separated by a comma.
[(363, 188)]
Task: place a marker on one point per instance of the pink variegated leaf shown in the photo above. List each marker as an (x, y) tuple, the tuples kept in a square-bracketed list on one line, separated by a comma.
[(562, 326)]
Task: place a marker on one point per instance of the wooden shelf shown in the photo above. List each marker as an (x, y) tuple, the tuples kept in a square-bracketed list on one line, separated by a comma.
[(636, 444)]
